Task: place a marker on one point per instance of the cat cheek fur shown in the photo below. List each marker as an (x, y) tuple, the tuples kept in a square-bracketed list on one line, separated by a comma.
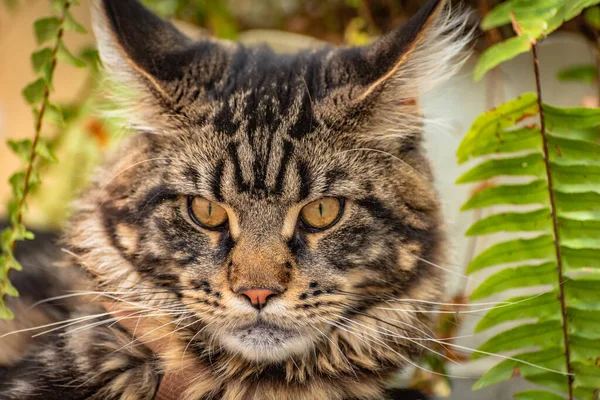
[(261, 134)]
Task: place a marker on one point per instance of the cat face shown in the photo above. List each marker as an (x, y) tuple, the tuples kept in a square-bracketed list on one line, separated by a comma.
[(272, 203)]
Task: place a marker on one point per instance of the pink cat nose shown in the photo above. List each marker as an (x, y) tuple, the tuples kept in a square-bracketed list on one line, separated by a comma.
[(259, 297)]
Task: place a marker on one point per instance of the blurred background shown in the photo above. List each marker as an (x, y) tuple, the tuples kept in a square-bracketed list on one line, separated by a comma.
[(81, 134)]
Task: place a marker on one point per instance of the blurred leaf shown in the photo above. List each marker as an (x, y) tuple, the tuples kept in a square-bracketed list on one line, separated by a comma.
[(592, 16), (575, 7), (34, 92), (65, 55), (71, 24), (46, 29), (578, 73), (501, 52), (537, 395), (22, 148), (41, 58), (43, 150), (5, 313)]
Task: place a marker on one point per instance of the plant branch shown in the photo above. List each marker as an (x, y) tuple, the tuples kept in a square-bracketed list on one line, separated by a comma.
[(32, 154), (561, 280)]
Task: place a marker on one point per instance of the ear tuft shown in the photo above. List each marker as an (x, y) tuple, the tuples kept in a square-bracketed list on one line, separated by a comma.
[(392, 72), (167, 71), (132, 40)]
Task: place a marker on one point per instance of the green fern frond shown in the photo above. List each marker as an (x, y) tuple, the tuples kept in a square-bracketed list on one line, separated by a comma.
[(562, 323)]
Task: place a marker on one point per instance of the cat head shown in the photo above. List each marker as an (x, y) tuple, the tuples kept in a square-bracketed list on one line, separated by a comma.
[(274, 202)]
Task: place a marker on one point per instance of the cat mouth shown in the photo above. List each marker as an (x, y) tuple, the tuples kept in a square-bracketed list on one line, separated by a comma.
[(264, 341)]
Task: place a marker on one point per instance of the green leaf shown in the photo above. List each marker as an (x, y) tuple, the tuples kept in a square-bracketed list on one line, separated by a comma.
[(573, 202), (576, 177), (34, 92), (517, 277), (51, 114), (581, 263), (584, 349), (535, 192), (537, 395), (525, 12), (22, 148), (528, 138), (17, 183), (43, 150), (41, 58), (4, 311), (550, 381), (591, 134), (14, 264), (541, 247), (501, 52), (587, 376), (579, 234), (551, 358), (592, 16), (71, 24), (498, 16), (492, 122), (90, 56), (542, 307), (571, 118), (528, 165), (65, 55), (46, 29), (575, 7), (580, 150), (582, 295), (538, 220), (10, 290), (578, 73)]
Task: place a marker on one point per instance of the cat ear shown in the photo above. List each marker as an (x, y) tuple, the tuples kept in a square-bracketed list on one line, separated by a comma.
[(140, 49), (387, 77)]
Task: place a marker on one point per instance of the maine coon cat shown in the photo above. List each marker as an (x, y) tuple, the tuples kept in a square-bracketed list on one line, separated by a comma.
[(270, 231)]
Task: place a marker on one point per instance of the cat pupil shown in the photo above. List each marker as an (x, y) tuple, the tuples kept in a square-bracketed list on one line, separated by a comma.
[(209, 209), (321, 209)]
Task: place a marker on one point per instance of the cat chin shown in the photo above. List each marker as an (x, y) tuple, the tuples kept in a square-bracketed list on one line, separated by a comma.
[(266, 344)]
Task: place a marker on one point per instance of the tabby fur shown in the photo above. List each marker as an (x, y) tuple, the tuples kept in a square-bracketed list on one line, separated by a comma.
[(262, 134)]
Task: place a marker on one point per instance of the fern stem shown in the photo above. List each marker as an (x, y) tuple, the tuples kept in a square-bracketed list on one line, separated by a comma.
[(38, 129), (561, 280)]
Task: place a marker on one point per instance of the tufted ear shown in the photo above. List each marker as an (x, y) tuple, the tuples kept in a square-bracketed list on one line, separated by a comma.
[(388, 76), (141, 50)]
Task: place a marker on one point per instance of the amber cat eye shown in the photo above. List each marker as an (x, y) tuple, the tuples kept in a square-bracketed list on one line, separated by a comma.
[(323, 213), (206, 213)]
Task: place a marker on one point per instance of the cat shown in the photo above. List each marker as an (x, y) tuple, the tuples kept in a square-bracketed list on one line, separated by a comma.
[(270, 231)]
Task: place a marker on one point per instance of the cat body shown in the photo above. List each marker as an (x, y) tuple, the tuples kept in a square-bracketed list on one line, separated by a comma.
[(270, 232)]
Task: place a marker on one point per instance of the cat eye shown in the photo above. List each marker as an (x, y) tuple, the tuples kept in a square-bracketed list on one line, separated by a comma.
[(323, 213), (205, 213)]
